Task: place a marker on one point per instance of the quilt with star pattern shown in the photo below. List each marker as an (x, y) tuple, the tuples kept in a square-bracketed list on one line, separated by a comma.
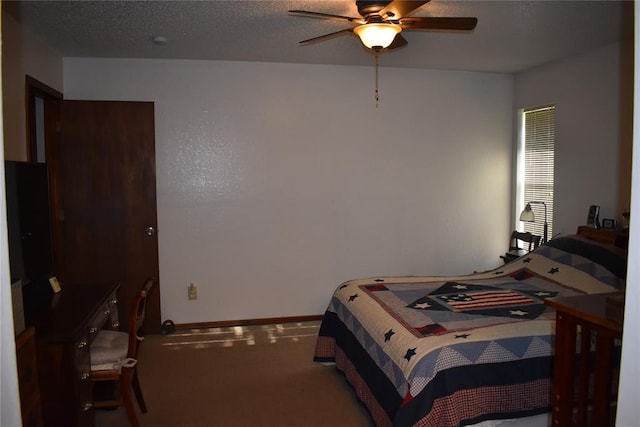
[(451, 351)]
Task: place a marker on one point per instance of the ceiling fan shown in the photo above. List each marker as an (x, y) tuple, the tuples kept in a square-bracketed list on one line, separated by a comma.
[(381, 23)]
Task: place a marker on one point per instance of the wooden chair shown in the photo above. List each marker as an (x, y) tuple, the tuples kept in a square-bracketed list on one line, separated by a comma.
[(114, 358), (531, 240), (519, 244)]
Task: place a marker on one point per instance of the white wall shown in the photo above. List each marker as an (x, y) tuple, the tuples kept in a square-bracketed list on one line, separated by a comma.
[(276, 182), (586, 92), (628, 408)]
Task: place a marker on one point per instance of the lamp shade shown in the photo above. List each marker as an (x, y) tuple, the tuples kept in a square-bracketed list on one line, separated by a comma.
[(377, 35), (527, 214)]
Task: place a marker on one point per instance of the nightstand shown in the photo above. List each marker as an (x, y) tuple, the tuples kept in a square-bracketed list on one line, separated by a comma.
[(588, 317)]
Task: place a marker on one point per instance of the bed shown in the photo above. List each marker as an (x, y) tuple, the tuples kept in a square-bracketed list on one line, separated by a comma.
[(466, 350)]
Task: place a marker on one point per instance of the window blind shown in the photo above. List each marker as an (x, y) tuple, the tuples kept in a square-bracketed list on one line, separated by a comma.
[(539, 140)]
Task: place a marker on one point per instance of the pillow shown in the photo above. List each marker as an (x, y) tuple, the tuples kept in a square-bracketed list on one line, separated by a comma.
[(610, 257)]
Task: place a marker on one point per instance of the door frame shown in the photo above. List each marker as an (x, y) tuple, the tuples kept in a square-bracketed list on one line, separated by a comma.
[(36, 89), (52, 112)]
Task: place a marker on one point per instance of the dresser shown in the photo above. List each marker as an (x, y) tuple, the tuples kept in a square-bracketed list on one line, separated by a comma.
[(64, 331)]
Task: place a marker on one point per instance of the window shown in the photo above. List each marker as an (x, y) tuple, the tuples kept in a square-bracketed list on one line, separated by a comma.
[(535, 168)]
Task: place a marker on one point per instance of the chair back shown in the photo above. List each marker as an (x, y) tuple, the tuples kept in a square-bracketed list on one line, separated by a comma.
[(531, 241), (137, 316)]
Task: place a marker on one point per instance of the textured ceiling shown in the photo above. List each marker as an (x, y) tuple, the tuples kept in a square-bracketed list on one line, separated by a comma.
[(510, 36)]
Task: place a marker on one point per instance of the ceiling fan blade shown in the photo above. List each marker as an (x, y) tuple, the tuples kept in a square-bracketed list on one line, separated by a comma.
[(321, 15), (328, 36), (399, 41), (435, 23), (401, 8)]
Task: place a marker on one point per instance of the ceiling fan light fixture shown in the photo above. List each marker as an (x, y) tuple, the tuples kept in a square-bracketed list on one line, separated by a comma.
[(377, 35)]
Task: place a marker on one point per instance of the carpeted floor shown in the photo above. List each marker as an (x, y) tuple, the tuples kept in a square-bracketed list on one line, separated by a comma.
[(242, 376)]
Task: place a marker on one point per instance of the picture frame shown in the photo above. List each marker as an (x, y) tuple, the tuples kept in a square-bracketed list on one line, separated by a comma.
[(592, 217)]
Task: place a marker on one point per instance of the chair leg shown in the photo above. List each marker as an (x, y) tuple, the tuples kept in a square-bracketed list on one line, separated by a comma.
[(138, 391), (127, 396)]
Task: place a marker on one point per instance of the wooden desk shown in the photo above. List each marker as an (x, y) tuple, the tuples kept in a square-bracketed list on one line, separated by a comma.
[(589, 312), (64, 331)]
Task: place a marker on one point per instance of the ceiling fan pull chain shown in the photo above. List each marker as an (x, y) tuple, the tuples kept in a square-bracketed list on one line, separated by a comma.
[(376, 94)]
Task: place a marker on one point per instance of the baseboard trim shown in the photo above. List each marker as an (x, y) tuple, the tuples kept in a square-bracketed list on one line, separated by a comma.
[(248, 322)]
